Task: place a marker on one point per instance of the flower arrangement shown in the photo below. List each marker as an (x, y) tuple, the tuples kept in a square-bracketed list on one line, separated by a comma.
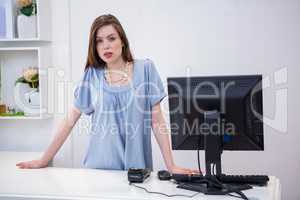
[(30, 76), (27, 7)]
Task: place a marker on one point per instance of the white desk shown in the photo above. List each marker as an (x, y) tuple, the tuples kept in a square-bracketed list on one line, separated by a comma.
[(90, 184)]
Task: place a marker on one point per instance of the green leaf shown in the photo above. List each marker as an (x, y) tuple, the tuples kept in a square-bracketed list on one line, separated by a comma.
[(27, 10), (35, 78), (20, 80)]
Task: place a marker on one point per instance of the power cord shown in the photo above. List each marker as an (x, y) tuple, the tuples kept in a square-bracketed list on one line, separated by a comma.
[(198, 158), (242, 195), (160, 193), (235, 196), (218, 183)]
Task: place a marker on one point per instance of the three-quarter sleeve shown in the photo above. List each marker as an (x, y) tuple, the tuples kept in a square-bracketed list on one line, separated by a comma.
[(156, 88), (83, 93)]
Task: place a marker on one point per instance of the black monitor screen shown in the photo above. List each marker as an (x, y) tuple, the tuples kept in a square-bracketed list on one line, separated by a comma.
[(237, 99)]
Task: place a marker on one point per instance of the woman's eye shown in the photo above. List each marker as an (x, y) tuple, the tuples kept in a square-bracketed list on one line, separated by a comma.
[(98, 41), (112, 39)]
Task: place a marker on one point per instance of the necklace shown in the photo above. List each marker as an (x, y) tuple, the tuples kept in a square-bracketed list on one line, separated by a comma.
[(123, 72)]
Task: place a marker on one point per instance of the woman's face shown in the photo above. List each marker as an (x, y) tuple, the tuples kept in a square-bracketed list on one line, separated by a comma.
[(108, 44)]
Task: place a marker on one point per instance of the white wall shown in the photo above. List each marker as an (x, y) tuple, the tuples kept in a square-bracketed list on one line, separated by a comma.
[(211, 38), (215, 38)]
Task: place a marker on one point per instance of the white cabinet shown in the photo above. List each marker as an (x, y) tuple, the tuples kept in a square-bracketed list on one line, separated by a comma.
[(43, 23), (17, 54), (13, 61)]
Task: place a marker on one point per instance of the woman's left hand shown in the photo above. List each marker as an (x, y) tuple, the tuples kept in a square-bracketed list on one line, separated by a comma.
[(180, 170)]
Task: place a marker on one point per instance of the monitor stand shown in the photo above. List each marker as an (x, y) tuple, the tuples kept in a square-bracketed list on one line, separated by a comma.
[(213, 146)]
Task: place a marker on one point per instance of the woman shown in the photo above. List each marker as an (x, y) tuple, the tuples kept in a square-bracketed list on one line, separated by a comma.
[(123, 95)]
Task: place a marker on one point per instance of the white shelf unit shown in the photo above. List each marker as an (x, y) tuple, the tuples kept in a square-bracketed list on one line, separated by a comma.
[(13, 60), (23, 40), (45, 116), (43, 23)]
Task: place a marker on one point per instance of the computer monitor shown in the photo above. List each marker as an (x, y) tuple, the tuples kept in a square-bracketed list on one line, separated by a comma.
[(216, 113)]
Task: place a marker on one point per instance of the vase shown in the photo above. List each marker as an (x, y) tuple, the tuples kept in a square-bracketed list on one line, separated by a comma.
[(27, 99), (33, 97), (26, 26)]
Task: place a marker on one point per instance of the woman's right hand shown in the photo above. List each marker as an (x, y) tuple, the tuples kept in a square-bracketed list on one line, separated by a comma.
[(33, 164)]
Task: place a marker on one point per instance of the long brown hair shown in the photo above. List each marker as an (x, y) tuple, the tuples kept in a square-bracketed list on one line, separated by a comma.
[(93, 59)]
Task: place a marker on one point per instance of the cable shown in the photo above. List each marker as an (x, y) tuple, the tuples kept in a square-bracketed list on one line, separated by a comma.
[(198, 158), (167, 195), (242, 195), (235, 196), (214, 169), (216, 181)]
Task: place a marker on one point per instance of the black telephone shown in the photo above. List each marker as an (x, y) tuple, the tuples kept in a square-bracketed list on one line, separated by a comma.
[(137, 175)]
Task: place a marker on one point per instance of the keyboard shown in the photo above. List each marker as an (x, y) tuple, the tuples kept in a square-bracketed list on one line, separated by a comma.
[(259, 180)]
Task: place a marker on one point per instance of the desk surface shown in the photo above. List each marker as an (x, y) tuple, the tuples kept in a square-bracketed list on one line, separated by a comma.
[(88, 184)]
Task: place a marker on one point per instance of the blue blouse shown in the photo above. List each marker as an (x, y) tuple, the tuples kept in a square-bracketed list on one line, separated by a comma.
[(120, 135)]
